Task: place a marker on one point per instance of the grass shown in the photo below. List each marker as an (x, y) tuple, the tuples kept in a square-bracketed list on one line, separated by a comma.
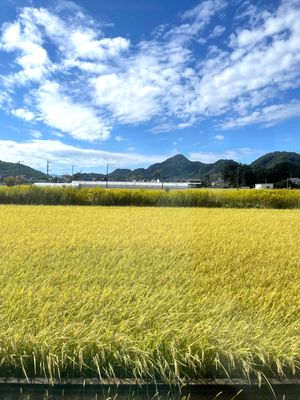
[(167, 294), (278, 199)]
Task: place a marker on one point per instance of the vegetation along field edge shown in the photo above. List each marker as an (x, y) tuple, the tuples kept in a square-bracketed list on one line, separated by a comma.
[(231, 198)]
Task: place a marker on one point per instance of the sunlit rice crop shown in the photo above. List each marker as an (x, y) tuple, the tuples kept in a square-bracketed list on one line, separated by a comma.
[(154, 293), (246, 198)]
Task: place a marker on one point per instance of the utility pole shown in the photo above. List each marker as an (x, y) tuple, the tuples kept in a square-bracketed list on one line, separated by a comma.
[(48, 169), (19, 172), (238, 178), (106, 184), (72, 171)]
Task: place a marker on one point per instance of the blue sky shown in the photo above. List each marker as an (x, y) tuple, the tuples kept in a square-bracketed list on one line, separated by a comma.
[(133, 82)]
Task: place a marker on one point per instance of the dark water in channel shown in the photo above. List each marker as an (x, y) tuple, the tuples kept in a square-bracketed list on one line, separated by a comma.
[(95, 392)]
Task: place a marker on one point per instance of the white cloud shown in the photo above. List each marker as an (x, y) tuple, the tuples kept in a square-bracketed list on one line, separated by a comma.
[(36, 134), (254, 65), (35, 152), (219, 137), (217, 31), (171, 126), (119, 139), (57, 134), (93, 82), (228, 81), (77, 41), (234, 154), (3, 98), (200, 16), (129, 97), (286, 17), (267, 115), (87, 47), (24, 38), (60, 112), (157, 80), (23, 114)]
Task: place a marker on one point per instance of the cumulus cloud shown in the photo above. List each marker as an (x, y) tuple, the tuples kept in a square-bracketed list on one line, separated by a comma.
[(130, 98), (61, 112), (23, 114), (24, 38)]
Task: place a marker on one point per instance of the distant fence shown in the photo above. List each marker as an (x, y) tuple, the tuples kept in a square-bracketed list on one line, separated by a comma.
[(159, 198)]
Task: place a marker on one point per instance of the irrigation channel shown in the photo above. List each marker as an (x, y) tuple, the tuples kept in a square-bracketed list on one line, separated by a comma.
[(11, 389)]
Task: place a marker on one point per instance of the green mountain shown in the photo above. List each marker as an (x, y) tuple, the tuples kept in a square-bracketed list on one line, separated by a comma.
[(14, 169), (92, 176), (272, 167), (270, 160), (175, 169)]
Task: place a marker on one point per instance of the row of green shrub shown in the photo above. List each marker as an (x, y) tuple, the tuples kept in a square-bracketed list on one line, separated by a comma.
[(131, 197)]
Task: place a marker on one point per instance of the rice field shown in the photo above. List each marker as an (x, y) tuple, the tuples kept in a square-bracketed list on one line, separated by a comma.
[(160, 294), (213, 198)]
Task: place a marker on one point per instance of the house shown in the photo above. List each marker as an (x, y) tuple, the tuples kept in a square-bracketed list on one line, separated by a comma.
[(264, 186), (194, 183), (220, 183), (295, 181)]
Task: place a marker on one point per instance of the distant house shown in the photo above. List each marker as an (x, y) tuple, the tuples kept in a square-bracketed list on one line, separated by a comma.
[(264, 186), (220, 183), (295, 181), (194, 183)]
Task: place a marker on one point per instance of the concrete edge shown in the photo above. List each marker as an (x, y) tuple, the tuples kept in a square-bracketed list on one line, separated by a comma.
[(140, 382)]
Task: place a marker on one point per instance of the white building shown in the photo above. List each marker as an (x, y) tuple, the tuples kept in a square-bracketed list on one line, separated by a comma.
[(264, 186), (119, 185), (219, 183)]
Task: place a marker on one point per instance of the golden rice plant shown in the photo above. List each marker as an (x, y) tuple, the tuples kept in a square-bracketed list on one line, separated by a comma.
[(228, 198), (159, 294)]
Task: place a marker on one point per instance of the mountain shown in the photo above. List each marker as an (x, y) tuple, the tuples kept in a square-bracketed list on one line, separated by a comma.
[(83, 176), (14, 169), (270, 160), (272, 167), (176, 168)]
